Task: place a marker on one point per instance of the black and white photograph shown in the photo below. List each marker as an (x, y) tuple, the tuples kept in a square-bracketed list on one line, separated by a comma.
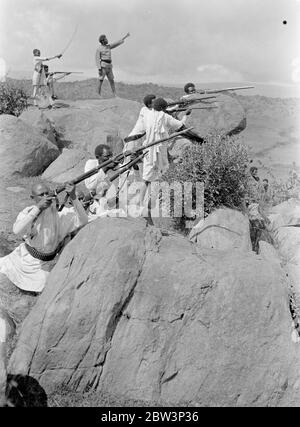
[(149, 206)]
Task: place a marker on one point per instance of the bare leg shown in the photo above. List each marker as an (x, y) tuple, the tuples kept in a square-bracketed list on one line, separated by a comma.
[(35, 89), (100, 86), (112, 85), (51, 89)]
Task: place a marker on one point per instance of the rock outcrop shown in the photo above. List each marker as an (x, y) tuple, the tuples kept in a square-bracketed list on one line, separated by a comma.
[(131, 312), (285, 226), (36, 118), (228, 115), (69, 165), (223, 229), (23, 149), (87, 123)]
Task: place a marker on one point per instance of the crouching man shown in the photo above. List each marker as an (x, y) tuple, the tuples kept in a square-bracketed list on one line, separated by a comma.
[(23, 272)]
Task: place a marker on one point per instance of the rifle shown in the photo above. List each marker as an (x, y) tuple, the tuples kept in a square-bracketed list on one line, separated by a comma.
[(190, 101), (117, 159), (204, 91), (191, 108), (65, 72)]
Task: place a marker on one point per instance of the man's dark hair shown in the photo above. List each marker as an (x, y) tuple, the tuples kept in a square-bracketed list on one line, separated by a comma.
[(266, 180), (160, 104), (100, 148), (187, 86), (102, 37), (148, 99)]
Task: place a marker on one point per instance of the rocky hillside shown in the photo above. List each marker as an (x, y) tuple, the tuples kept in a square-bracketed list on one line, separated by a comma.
[(272, 133), (132, 310)]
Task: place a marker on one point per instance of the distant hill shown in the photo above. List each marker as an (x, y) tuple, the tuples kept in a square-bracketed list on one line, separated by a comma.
[(273, 129)]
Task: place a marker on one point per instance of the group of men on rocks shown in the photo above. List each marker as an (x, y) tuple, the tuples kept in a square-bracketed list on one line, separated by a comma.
[(44, 226)]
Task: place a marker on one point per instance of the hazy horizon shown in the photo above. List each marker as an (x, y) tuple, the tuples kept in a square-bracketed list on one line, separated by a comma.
[(269, 90), (171, 41)]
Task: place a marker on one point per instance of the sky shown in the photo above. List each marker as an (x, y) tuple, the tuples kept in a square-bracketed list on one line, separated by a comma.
[(171, 41)]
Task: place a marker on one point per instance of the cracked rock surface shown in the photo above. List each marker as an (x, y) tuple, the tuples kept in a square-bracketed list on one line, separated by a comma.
[(153, 317)]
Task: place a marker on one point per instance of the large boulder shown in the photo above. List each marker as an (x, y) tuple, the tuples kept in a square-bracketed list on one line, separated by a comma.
[(223, 229), (285, 226), (23, 149), (229, 116), (36, 118), (69, 165), (88, 123), (131, 312)]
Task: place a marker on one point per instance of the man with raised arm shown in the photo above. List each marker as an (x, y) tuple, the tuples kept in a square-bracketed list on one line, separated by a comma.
[(104, 62), (39, 78)]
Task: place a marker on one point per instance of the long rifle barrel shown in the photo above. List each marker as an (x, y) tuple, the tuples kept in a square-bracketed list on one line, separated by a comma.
[(67, 72), (227, 89)]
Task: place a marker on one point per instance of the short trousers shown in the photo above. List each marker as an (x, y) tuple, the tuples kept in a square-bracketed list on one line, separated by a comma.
[(106, 71)]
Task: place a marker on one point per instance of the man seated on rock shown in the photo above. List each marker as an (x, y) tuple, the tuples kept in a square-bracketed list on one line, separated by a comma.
[(43, 229), (23, 273), (102, 153), (50, 80), (103, 193)]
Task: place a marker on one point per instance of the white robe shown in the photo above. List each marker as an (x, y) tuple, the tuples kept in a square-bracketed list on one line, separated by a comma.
[(44, 234), (93, 182), (39, 77), (157, 125)]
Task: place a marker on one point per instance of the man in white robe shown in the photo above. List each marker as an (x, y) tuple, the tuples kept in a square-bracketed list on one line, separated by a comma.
[(157, 125), (104, 193), (43, 228), (130, 182), (39, 77), (23, 273)]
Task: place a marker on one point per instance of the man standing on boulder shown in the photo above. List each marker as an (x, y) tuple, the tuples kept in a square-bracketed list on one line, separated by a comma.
[(39, 78), (156, 124), (104, 62)]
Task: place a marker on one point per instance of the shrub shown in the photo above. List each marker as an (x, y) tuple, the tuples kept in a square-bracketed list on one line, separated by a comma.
[(221, 164), (13, 99), (284, 190)]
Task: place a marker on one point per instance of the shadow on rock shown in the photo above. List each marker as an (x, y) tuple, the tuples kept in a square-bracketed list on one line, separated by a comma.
[(25, 391)]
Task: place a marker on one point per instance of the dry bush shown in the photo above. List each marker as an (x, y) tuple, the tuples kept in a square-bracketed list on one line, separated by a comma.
[(221, 165), (13, 99)]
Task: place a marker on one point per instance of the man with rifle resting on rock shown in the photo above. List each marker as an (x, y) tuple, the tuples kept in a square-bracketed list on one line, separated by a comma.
[(97, 184), (43, 229)]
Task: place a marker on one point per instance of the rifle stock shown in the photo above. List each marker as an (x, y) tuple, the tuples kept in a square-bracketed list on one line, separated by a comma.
[(189, 101), (192, 108)]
